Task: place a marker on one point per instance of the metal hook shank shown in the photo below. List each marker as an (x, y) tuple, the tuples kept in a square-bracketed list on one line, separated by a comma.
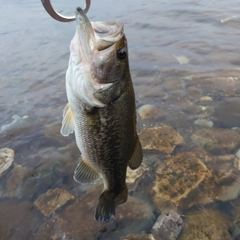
[(57, 16)]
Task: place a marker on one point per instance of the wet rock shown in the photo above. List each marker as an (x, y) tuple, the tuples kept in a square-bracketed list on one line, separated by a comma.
[(162, 138), (217, 140), (138, 237), (207, 225), (151, 112), (53, 199), (183, 181), (19, 220), (6, 160), (228, 113), (168, 226), (203, 123), (14, 185), (133, 176), (134, 216)]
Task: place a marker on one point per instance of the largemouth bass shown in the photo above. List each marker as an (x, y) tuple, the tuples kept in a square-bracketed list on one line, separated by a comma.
[(101, 110)]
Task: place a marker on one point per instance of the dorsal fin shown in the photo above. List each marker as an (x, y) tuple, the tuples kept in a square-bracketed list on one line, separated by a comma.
[(68, 123)]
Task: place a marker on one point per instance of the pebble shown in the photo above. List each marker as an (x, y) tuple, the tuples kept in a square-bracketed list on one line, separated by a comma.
[(203, 123), (206, 99), (6, 160), (150, 112)]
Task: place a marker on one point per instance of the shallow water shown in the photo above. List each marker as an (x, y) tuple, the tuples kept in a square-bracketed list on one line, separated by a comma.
[(179, 52)]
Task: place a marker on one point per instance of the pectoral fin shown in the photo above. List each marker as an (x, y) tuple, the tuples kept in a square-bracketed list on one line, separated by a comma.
[(137, 156), (85, 174), (68, 123)]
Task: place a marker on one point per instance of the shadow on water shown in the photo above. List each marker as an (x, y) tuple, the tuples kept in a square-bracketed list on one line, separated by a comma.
[(184, 59)]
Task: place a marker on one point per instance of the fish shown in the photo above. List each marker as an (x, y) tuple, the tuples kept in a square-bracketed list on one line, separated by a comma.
[(101, 110)]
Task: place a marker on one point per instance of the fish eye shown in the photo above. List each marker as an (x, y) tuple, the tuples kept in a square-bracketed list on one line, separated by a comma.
[(122, 53)]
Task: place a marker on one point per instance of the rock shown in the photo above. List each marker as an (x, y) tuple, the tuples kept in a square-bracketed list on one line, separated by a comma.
[(181, 59), (183, 181), (237, 163), (14, 185), (53, 199), (168, 226), (226, 158), (134, 175), (134, 216), (138, 237), (19, 220), (218, 86), (206, 100), (17, 123), (237, 154), (162, 138), (228, 113), (206, 225), (203, 123), (150, 112), (217, 140), (6, 160), (177, 179)]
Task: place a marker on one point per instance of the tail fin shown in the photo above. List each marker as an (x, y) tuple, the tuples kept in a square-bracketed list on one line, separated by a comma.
[(105, 209)]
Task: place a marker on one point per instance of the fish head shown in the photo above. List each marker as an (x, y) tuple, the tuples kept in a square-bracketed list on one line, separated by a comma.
[(100, 50)]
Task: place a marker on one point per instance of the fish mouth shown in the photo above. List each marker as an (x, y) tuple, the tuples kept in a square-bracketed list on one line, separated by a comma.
[(96, 36)]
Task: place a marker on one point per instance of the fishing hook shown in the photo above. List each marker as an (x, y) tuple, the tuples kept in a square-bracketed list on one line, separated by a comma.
[(57, 16)]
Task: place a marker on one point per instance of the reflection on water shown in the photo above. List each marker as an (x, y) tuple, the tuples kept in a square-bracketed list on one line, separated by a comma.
[(184, 58)]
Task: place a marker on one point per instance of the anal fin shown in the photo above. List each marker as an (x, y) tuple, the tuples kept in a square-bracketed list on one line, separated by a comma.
[(85, 174), (137, 156), (68, 123)]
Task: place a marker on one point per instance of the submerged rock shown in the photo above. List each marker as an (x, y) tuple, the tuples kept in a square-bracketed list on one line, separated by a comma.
[(228, 113), (133, 176), (207, 225), (167, 226), (162, 138), (18, 220), (6, 160), (17, 123), (138, 237), (217, 140), (203, 123), (183, 181), (150, 112), (206, 100), (14, 185), (134, 216), (53, 199), (179, 177)]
